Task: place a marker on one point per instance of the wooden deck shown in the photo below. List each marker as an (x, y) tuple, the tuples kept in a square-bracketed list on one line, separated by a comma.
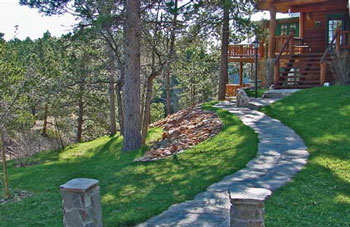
[(232, 89), (303, 61), (244, 52)]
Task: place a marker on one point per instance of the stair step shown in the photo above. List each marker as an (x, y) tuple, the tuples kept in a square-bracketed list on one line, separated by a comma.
[(304, 64), (303, 68), (300, 82), (307, 55), (295, 86), (312, 58), (280, 93), (293, 77), (301, 72), (310, 82), (258, 103)]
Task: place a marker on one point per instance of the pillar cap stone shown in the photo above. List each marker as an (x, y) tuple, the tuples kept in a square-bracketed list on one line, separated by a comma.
[(80, 185), (257, 194)]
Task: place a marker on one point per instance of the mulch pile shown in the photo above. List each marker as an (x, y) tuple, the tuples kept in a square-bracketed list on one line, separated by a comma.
[(183, 130)]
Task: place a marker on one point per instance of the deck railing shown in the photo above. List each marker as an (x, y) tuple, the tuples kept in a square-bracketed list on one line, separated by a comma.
[(280, 41), (344, 40), (298, 44), (287, 48), (340, 41), (245, 50)]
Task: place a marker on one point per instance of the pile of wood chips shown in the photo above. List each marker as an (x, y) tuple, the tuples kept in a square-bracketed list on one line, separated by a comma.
[(183, 130)]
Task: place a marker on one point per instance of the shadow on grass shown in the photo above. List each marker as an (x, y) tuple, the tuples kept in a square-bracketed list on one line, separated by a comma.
[(320, 194), (131, 192)]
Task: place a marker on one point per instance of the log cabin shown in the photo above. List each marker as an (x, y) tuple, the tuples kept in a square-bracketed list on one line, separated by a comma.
[(299, 53)]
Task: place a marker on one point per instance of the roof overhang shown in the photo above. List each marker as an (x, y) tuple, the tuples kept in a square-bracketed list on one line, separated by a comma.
[(285, 5)]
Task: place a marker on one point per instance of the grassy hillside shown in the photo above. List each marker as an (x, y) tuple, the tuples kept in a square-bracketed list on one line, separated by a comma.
[(320, 194), (131, 192)]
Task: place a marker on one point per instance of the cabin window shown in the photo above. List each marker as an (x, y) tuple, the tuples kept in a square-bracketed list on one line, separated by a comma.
[(294, 27), (284, 29), (332, 28)]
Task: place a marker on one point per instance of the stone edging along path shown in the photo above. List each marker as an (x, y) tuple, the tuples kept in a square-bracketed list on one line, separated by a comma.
[(281, 154)]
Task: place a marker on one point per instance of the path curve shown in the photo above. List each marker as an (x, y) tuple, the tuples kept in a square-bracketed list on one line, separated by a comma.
[(281, 154)]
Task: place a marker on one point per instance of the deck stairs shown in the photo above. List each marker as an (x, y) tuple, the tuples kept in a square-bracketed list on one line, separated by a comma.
[(301, 71)]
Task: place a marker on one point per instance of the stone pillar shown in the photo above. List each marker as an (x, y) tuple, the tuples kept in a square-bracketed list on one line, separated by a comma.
[(248, 207), (81, 203)]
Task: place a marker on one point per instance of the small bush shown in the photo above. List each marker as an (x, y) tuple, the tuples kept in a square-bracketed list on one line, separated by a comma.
[(157, 112), (341, 68)]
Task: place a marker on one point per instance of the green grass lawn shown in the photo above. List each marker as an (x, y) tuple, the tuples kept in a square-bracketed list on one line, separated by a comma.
[(251, 92), (131, 192), (320, 194)]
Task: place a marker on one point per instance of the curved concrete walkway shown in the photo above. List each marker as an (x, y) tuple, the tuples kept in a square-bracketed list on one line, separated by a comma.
[(281, 154)]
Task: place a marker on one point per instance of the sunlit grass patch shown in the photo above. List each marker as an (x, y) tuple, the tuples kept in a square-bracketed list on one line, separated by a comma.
[(131, 192), (320, 194)]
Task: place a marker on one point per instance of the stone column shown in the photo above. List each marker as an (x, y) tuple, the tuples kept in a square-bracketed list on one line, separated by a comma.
[(81, 203), (248, 207)]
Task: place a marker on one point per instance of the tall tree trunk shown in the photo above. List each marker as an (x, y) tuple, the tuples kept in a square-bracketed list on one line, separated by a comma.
[(80, 119), (192, 87), (4, 166), (167, 87), (59, 133), (170, 58), (132, 121), (143, 103), (119, 89), (147, 111), (194, 96), (272, 32), (112, 71), (224, 54), (45, 119)]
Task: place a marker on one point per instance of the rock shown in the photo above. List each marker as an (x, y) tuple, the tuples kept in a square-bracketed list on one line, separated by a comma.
[(242, 98), (183, 130), (174, 133), (167, 152), (165, 135)]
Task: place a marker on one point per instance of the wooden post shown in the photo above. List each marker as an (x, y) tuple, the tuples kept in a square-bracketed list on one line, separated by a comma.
[(301, 24), (323, 73), (291, 42), (261, 49), (276, 71), (241, 74), (272, 32), (301, 28), (337, 44)]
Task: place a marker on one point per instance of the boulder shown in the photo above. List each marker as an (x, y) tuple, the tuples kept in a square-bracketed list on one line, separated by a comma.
[(242, 98)]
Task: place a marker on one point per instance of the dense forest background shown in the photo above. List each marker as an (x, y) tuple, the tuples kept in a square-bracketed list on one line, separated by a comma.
[(57, 91)]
